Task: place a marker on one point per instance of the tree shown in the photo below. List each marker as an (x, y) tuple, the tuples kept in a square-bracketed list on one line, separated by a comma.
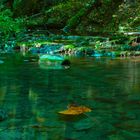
[(75, 20)]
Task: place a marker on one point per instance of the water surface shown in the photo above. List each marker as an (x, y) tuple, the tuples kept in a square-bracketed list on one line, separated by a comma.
[(32, 95)]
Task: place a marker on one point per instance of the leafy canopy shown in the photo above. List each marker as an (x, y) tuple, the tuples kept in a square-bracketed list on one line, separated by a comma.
[(8, 25)]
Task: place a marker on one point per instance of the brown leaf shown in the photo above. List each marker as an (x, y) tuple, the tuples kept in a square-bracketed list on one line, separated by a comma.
[(75, 110)]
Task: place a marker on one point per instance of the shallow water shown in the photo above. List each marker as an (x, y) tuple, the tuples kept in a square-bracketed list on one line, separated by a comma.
[(32, 96)]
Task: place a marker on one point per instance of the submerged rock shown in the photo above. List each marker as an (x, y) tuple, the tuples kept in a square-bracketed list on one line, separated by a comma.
[(53, 62)]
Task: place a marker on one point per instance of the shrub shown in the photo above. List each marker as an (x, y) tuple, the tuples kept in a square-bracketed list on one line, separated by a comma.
[(10, 26)]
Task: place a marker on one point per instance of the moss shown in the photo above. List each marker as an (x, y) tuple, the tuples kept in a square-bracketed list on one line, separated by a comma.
[(37, 43), (69, 47)]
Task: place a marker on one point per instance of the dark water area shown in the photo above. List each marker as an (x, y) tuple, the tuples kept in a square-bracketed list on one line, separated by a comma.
[(32, 96)]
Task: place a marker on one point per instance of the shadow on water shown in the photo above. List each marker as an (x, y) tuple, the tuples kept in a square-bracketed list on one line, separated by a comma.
[(71, 118)]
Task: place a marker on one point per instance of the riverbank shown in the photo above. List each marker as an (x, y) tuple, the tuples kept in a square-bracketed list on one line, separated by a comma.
[(95, 46)]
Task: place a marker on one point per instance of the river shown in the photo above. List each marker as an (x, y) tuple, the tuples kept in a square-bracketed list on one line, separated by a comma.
[(32, 96)]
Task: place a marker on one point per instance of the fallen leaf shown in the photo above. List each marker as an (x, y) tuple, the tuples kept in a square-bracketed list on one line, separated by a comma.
[(75, 110)]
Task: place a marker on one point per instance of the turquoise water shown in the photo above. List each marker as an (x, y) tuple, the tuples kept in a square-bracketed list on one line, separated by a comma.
[(32, 96)]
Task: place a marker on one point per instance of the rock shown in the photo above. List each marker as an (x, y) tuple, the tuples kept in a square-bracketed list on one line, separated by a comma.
[(89, 51), (79, 52), (123, 53), (66, 63), (97, 54), (84, 51), (46, 48), (68, 49), (52, 58), (50, 48), (53, 62), (34, 50)]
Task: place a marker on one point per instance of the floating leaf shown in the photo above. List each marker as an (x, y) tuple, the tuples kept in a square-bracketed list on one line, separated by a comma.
[(75, 110)]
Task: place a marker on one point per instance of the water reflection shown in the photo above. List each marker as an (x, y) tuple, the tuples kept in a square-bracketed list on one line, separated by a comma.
[(32, 97)]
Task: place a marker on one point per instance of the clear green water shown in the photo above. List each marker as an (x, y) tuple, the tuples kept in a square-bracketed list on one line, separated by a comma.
[(32, 96)]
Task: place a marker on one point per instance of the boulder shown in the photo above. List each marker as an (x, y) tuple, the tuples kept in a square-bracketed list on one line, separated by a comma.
[(51, 58), (53, 61)]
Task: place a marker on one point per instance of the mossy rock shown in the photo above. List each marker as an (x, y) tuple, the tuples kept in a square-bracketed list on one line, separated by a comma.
[(52, 58), (66, 47)]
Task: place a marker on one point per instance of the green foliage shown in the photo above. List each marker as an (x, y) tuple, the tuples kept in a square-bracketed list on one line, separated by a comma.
[(62, 12), (8, 25), (127, 17), (80, 17), (98, 44), (69, 47)]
